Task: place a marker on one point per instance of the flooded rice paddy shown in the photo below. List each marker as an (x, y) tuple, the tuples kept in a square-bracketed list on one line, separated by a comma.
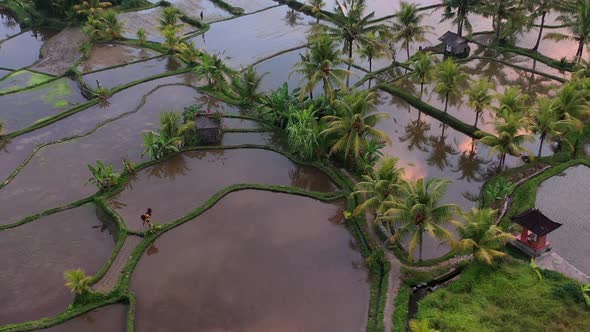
[(109, 55), (256, 261), (562, 199), (35, 255), (192, 177), (111, 78)]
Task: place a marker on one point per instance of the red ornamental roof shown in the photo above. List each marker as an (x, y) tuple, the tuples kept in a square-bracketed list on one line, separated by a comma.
[(536, 222)]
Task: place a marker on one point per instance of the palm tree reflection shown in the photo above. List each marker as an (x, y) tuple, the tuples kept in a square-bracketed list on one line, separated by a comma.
[(415, 135), (440, 151), (470, 165)]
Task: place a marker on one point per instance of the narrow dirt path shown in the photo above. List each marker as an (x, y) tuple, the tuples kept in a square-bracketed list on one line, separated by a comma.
[(393, 282), (109, 280)]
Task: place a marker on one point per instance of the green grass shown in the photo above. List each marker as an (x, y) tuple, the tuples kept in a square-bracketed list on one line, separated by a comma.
[(34, 79), (400, 314), (508, 298)]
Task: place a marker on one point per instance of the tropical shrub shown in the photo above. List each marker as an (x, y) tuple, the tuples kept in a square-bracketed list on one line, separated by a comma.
[(77, 281), (158, 146), (480, 235), (499, 190), (570, 290), (303, 133), (278, 106), (245, 86), (104, 177), (375, 261), (103, 26), (141, 37)]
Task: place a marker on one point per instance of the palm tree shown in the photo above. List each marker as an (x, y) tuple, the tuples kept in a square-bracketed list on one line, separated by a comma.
[(171, 39), (378, 186), (91, 7), (373, 49), (423, 69), (209, 70), (407, 27), (508, 138), (417, 210), (480, 97), (513, 101), (578, 24), (315, 7), (169, 19), (188, 53), (141, 37), (77, 281), (451, 80), (112, 25), (350, 24), (353, 124), (545, 120), (246, 84), (323, 64), (458, 10), (481, 236)]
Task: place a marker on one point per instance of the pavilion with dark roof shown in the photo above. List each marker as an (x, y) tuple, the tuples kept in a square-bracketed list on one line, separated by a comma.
[(535, 228), (455, 44)]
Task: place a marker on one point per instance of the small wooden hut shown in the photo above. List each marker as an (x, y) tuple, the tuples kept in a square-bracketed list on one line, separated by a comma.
[(209, 130), (536, 226), (455, 45)]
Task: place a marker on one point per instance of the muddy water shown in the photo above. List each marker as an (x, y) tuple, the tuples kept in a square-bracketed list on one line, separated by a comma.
[(58, 174), (235, 123), (187, 180), (121, 75), (111, 318), (265, 138), (4, 73), (108, 55), (250, 6), (149, 20), (193, 8), (22, 109), (245, 39), (23, 50), (34, 257), (563, 199), (8, 25), (426, 149), (242, 266)]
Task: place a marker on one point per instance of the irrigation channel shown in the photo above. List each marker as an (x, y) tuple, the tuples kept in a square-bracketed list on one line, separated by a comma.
[(250, 238)]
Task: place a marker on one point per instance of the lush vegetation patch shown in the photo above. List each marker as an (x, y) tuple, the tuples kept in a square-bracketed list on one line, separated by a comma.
[(509, 297)]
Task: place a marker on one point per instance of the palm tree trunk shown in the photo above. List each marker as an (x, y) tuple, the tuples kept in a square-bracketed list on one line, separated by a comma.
[(460, 28), (540, 31), (420, 254), (541, 145), (370, 70), (446, 102), (408, 51), (310, 95), (349, 64), (476, 118), (421, 89), (580, 51)]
